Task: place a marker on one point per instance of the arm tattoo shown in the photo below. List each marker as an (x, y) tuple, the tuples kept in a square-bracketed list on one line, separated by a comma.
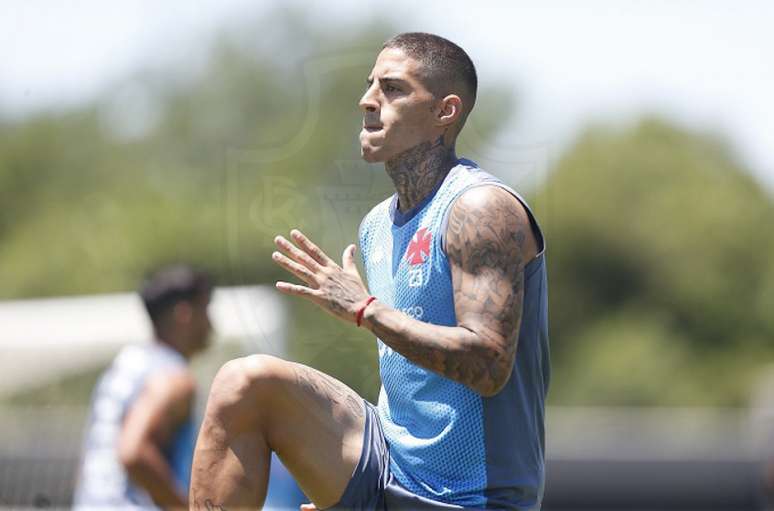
[(487, 249), (489, 241)]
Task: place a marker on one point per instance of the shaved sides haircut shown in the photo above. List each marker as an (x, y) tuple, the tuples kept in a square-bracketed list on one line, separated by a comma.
[(447, 68)]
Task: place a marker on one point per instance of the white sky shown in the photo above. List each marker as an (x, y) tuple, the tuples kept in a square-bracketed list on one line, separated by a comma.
[(706, 64)]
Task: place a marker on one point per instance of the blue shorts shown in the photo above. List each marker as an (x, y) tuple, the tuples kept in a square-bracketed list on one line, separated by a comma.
[(373, 486)]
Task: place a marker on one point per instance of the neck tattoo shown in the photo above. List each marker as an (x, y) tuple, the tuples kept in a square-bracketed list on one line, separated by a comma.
[(417, 170)]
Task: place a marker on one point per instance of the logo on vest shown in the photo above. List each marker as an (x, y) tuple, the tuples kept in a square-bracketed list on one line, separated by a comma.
[(419, 247)]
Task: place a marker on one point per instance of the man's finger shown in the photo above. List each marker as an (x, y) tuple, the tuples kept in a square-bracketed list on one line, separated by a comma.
[(296, 254), (296, 290), (311, 249), (348, 259), (300, 271)]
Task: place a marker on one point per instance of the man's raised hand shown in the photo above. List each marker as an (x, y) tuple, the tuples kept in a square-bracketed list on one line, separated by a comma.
[(339, 290)]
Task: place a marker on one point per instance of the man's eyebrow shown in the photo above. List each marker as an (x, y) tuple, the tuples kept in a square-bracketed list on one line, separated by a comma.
[(388, 79), (392, 79)]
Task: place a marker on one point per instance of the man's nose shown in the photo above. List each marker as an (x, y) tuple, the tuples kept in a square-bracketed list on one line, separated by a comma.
[(369, 103)]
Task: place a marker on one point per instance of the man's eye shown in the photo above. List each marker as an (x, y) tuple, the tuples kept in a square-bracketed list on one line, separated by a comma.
[(390, 88)]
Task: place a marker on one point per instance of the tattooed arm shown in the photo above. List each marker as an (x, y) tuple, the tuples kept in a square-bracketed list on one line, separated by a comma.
[(489, 240)]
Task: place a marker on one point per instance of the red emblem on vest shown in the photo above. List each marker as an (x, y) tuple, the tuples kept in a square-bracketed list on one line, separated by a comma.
[(419, 247)]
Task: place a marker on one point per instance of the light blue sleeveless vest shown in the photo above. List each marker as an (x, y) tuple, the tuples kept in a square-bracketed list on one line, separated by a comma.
[(447, 442)]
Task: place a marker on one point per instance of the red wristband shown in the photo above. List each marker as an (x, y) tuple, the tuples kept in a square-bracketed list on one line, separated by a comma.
[(359, 315)]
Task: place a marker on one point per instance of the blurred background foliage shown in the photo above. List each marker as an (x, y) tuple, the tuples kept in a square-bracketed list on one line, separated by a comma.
[(661, 284), (660, 275)]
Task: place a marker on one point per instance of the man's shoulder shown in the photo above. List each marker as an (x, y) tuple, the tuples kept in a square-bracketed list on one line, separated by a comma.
[(487, 197), (485, 215)]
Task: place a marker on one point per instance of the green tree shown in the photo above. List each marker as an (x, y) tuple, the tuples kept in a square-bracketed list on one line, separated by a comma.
[(660, 275)]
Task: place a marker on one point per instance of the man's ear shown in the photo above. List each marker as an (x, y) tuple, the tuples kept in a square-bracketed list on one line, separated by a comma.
[(450, 110)]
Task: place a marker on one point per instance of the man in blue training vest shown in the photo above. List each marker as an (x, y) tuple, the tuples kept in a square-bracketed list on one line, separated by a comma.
[(458, 301)]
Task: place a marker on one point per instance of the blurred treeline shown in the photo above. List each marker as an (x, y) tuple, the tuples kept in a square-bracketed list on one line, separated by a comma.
[(661, 284), (661, 276)]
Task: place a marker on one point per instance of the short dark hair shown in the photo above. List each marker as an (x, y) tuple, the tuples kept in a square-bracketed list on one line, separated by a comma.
[(445, 64), (170, 285)]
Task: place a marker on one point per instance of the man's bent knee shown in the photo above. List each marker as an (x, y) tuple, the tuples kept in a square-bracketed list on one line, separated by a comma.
[(244, 384)]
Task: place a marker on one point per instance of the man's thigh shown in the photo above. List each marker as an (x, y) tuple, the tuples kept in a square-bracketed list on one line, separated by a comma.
[(315, 426)]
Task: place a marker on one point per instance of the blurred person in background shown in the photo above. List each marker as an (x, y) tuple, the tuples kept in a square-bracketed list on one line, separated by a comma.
[(140, 434)]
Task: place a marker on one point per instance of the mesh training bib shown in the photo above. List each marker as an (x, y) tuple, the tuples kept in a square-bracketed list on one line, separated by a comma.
[(446, 441)]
